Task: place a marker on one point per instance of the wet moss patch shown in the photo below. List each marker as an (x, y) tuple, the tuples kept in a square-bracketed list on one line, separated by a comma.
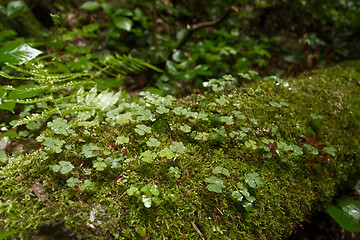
[(249, 162)]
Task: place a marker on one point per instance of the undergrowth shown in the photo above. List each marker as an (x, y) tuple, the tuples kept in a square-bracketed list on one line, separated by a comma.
[(235, 163)]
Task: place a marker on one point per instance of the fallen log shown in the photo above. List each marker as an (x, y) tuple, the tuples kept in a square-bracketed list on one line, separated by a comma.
[(248, 162)]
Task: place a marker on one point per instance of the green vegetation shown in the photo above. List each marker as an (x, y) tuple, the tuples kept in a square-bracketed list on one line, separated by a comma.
[(91, 138), (138, 173)]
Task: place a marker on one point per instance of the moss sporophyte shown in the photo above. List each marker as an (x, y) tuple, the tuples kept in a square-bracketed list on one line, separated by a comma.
[(239, 163)]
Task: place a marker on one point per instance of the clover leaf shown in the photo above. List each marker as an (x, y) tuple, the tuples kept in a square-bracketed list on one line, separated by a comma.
[(132, 191), (227, 120), (167, 153), (311, 149), (251, 144), (90, 150), (329, 150), (142, 129), (175, 171), (54, 144), (148, 156), (87, 184), (254, 180), (60, 126), (216, 184), (239, 115), (153, 142), (72, 182), (64, 167), (122, 140), (296, 150), (161, 110), (185, 128), (99, 165), (221, 170), (177, 147)]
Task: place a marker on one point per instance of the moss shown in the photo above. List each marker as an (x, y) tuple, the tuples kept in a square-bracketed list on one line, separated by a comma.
[(321, 109)]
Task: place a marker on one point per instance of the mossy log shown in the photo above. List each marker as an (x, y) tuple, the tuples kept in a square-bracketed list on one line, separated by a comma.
[(247, 163)]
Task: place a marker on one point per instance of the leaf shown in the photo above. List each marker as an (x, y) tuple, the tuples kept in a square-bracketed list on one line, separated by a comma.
[(221, 170), (311, 149), (175, 171), (239, 115), (345, 220), (86, 185), (90, 150), (148, 156), (185, 128), (17, 53), (161, 110), (177, 147), (315, 116), (296, 150), (54, 144), (142, 129), (237, 195), (254, 180), (72, 182), (15, 8), (216, 184), (154, 190), (90, 6), (132, 191), (59, 126), (330, 150), (227, 120), (167, 153), (99, 165), (251, 144), (3, 156), (123, 23), (147, 201), (153, 142), (122, 139), (64, 167)]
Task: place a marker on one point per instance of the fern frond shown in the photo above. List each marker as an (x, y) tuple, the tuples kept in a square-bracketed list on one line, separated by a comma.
[(7, 87), (55, 88), (37, 117), (135, 63), (47, 113), (30, 100), (41, 75)]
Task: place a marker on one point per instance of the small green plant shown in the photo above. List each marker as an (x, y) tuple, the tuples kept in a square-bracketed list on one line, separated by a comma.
[(348, 215), (215, 184)]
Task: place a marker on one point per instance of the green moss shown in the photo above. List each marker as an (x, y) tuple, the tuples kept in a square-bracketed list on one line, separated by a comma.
[(266, 135)]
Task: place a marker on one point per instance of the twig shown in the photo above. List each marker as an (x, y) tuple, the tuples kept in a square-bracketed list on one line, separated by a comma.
[(197, 230), (192, 28)]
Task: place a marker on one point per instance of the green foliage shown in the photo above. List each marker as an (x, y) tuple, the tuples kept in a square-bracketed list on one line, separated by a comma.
[(215, 184), (167, 167), (348, 216), (90, 150), (64, 167)]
